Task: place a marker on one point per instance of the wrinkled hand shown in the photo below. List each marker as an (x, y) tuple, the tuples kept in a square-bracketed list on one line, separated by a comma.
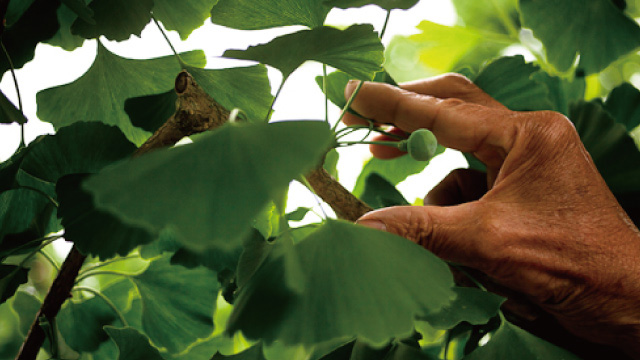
[(541, 222)]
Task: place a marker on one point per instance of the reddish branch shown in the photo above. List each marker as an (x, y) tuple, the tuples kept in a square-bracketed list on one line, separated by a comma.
[(195, 112)]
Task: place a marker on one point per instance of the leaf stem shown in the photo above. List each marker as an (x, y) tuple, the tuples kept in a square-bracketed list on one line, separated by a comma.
[(101, 272), (164, 34), (52, 200), (15, 83), (384, 143), (326, 96), (108, 262), (49, 259), (386, 22), (350, 129), (44, 240), (266, 119), (348, 105), (106, 300)]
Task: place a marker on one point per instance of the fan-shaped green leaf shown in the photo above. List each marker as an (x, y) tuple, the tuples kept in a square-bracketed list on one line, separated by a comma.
[(264, 14), (252, 353), (394, 171), (379, 193), (246, 88), (21, 212), (183, 16), (173, 321), (95, 232), (9, 168), (64, 38), (385, 4), (83, 147), (80, 323), (474, 306), (511, 342), (80, 8), (27, 307), (337, 81), (596, 30), (357, 282), (226, 178), (38, 23), (105, 87), (499, 16), (623, 103), (9, 113), (115, 19), (11, 277), (356, 50), (562, 92), (150, 112), (509, 80), (132, 345)]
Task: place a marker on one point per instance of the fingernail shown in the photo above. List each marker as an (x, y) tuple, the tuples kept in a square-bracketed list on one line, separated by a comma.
[(374, 224), (350, 88)]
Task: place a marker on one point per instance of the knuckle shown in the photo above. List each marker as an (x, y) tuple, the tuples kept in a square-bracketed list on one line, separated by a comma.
[(459, 79)]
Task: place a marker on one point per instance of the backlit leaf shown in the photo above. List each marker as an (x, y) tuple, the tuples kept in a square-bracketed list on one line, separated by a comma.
[(357, 282), (472, 305), (489, 15), (226, 178), (132, 345), (264, 14), (95, 232), (509, 80), (623, 103), (11, 277), (385, 4), (9, 113), (252, 353), (26, 306), (511, 342), (105, 87), (178, 303), (64, 38), (356, 50), (115, 19), (596, 30), (38, 23), (183, 16)]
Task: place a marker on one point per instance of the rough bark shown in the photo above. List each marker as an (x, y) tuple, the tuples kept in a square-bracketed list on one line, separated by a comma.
[(343, 202)]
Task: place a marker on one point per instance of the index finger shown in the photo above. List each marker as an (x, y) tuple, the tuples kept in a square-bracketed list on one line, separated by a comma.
[(457, 124)]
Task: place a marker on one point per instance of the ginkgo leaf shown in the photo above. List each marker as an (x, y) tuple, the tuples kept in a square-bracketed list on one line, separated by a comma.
[(472, 305), (489, 15), (26, 307), (95, 232), (64, 38), (80, 8), (132, 345), (105, 87), (115, 19), (511, 342), (252, 353), (385, 4), (80, 323), (183, 16), (20, 210), (152, 111), (83, 147), (171, 321), (623, 103), (226, 177), (15, 10), (379, 193), (38, 23), (337, 81), (356, 50), (264, 14), (509, 80), (373, 287), (11, 276), (9, 113), (596, 30)]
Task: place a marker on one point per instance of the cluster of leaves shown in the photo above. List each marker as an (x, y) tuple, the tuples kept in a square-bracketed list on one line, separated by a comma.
[(178, 235)]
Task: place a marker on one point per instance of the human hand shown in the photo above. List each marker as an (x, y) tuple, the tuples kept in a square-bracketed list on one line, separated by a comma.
[(542, 222)]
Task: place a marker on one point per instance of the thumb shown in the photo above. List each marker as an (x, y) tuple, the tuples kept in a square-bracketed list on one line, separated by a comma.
[(452, 233)]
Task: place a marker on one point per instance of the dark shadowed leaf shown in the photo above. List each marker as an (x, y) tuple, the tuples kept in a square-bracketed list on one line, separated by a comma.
[(83, 147), (215, 259), (9, 113), (385, 4), (174, 321), (596, 30), (252, 353), (80, 323), (509, 80), (132, 345), (264, 14), (356, 50), (38, 23), (372, 287), (255, 252), (624, 104), (9, 168), (183, 16), (562, 92), (152, 111), (105, 87), (511, 342), (11, 277), (64, 38), (226, 178), (95, 232), (80, 8), (472, 305), (15, 10), (394, 171), (115, 19), (379, 193), (21, 212)]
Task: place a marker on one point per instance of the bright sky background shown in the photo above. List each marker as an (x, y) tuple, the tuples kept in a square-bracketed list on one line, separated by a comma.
[(300, 98)]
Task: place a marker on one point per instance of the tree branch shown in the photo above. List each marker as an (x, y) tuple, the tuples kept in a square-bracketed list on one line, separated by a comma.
[(343, 202), (195, 112)]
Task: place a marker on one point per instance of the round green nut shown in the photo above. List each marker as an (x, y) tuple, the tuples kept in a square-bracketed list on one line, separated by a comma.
[(421, 145)]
